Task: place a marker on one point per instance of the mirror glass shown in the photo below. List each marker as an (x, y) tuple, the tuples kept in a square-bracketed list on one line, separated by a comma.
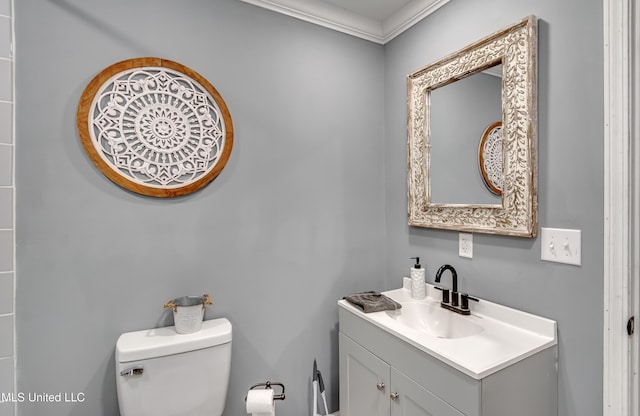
[(460, 114), (472, 137)]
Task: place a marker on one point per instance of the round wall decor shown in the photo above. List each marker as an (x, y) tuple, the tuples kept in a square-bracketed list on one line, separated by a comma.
[(155, 127), (490, 158)]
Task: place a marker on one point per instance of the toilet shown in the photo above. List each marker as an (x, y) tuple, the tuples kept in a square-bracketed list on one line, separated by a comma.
[(161, 372)]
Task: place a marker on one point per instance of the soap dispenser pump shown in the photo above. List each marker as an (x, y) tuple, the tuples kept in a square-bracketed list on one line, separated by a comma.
[(418, 286)]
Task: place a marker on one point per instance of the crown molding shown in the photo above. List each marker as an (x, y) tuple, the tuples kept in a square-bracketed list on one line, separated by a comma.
[(408, 16), (351, 23)]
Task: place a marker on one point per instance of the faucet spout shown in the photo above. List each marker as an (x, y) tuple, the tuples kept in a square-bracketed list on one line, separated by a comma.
[(454, 275)]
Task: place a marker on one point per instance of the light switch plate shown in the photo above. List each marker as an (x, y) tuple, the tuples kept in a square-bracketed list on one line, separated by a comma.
[(561, 246), (465, 245)]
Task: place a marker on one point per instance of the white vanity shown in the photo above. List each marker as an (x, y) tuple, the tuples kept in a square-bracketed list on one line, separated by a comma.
[(426, 360)]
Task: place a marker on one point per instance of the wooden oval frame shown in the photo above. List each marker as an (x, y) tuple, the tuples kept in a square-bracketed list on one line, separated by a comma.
[(485, 176), (82, 121)]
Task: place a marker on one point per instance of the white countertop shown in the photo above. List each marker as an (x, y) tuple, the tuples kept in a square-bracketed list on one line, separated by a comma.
[(508, 335)]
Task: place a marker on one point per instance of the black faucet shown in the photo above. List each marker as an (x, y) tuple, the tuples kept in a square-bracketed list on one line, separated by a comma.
[(453, 274), (454, 305)]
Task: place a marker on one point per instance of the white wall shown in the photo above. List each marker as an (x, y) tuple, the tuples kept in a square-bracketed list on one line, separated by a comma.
[(7, 246)]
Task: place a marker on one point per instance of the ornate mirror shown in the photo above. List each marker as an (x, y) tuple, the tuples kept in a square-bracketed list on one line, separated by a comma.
[(472, 140)]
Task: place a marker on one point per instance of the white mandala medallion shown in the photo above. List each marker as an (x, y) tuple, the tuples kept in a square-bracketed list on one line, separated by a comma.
[(490, 158), (155, 127)]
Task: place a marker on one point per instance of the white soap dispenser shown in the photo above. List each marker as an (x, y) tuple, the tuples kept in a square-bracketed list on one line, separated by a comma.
[(418, 286)]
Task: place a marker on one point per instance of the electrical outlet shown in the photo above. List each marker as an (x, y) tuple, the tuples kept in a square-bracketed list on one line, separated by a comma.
[(561, 246), (465, 245)]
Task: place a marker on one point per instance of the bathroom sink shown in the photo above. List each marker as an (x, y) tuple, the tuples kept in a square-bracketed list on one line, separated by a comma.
[(491, 338), (431, 319)]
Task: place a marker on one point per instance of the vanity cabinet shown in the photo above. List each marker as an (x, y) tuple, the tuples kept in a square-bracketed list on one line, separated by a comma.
[(370, 386), (381, 374)]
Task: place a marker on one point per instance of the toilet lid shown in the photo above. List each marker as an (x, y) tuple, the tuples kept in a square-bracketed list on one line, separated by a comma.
[(159, 342)]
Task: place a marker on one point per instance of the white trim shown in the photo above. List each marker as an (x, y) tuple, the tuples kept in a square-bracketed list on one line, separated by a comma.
[(617, 219), (408, 16), (326, 15), (349, 22), (634, 114)]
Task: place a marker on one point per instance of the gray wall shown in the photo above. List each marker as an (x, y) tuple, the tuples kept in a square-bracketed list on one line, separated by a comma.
[(570, 104), (311, 206), (293, 223)]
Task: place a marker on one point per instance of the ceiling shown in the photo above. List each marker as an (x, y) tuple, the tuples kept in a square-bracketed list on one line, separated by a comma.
[(374, 20)]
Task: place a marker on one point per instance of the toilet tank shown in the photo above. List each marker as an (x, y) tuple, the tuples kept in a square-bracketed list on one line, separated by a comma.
[(161, 372)]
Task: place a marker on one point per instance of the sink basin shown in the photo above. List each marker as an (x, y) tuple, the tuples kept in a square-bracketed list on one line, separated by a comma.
[(433, 320)]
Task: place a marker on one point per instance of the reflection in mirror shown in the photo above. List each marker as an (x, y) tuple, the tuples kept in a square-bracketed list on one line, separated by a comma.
[(437, 153), (460, 114)]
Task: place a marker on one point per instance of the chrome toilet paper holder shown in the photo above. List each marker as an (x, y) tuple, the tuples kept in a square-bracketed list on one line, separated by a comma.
[(267, 385)]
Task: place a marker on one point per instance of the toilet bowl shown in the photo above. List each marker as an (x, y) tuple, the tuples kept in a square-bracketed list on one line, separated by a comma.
[(161, 372)]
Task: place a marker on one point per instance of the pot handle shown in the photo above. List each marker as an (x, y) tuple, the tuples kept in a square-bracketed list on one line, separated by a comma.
[(208, 300), (170, 304)]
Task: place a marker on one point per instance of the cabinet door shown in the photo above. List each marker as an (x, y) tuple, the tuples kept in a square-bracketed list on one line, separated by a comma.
[(411, 399), (364, 381)]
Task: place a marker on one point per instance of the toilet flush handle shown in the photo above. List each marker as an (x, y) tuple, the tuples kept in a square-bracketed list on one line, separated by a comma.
[(133, 371)]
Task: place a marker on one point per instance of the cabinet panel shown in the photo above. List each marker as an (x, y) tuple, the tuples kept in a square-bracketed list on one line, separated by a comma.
[(527, 388), (364, 381), (451, 385), (427, 386), (414, 400)]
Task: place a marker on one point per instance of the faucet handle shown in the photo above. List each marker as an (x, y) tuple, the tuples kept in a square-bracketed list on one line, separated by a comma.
[(464, 300), (445, 294)]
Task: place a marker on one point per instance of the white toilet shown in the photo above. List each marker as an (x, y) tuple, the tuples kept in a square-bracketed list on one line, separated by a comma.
[(161, 372)]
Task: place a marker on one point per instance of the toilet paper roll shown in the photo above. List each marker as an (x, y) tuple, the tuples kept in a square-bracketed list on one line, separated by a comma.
[(260, 402)]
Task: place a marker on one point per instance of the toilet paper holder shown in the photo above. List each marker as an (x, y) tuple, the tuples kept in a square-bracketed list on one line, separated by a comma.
[(268, 385)]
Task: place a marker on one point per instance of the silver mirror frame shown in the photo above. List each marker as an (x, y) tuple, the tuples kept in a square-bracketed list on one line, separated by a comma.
[(516, 48)]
